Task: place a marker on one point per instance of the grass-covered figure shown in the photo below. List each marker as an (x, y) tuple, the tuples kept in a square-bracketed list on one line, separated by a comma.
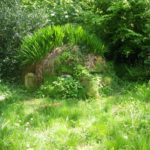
[(58, 50)]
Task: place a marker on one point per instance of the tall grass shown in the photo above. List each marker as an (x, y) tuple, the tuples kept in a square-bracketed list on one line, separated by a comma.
[(120, 121), (35, 47)]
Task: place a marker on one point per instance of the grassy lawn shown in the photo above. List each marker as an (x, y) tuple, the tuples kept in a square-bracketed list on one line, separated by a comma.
[(119, 121)]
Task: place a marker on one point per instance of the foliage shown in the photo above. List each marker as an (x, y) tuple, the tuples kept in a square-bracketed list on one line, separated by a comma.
[(66, 62), (80, 71), (124, 25), (119, 118), (60, 11), (90, 83), (136, 72), (35, 47), (16, 22), (63, 87)]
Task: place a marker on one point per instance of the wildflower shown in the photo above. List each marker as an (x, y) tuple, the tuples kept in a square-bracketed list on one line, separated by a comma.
[(52, 14), (66, 16)]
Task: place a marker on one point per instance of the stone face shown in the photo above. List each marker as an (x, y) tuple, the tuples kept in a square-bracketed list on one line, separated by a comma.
[(48, 65), (30, 81)]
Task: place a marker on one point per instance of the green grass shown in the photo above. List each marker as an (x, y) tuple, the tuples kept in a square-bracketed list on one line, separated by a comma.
[(120, 121)]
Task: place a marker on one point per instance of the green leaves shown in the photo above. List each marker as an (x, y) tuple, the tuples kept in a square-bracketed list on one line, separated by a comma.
[(16, 22), (123, 26), (36, 46), (63, 87)]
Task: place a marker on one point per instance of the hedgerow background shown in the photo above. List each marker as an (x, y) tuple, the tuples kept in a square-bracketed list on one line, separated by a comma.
[(123, 25)]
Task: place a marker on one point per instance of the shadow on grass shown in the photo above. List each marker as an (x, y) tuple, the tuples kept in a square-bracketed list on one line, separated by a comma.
[(43, 109), (67, 110), (64, 110), (13, 94)]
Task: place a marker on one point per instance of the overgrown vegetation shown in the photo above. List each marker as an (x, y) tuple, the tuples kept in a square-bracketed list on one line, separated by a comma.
[(124, 25), (75, 74), (16, 22), (34, 48)]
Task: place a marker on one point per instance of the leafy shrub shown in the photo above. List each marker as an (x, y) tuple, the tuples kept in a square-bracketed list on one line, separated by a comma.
[(63, 87), (60, 12), (90, 83), (80, 72), (16, 22), (67, 61), (35, 47), (123, 25)]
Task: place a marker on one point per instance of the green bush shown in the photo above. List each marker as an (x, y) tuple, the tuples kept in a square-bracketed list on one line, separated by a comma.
[(60, 11), (124, 25), (63, 87), (81, 72), (16, 22), (35, 47)]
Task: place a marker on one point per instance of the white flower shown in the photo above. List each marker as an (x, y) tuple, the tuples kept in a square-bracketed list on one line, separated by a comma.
[(2, 97), (66, 16), (52, 14)]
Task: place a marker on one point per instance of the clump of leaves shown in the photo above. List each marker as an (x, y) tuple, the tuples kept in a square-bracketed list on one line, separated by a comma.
[(63, 87), (16, 22), (67, 61), (123, 25), (35, 47)]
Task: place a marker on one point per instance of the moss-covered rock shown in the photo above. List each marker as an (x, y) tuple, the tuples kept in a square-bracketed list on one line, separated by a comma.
[(30, 81)]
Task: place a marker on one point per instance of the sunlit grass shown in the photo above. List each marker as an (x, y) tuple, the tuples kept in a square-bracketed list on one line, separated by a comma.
[(119, 121)]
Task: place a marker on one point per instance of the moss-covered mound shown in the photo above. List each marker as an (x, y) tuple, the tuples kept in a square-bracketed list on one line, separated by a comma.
[(65, 59)]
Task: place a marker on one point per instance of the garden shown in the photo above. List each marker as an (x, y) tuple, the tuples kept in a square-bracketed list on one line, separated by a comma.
[(75, 75)]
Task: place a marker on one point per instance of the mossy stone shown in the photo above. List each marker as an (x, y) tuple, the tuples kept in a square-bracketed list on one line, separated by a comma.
[(30, 81)]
